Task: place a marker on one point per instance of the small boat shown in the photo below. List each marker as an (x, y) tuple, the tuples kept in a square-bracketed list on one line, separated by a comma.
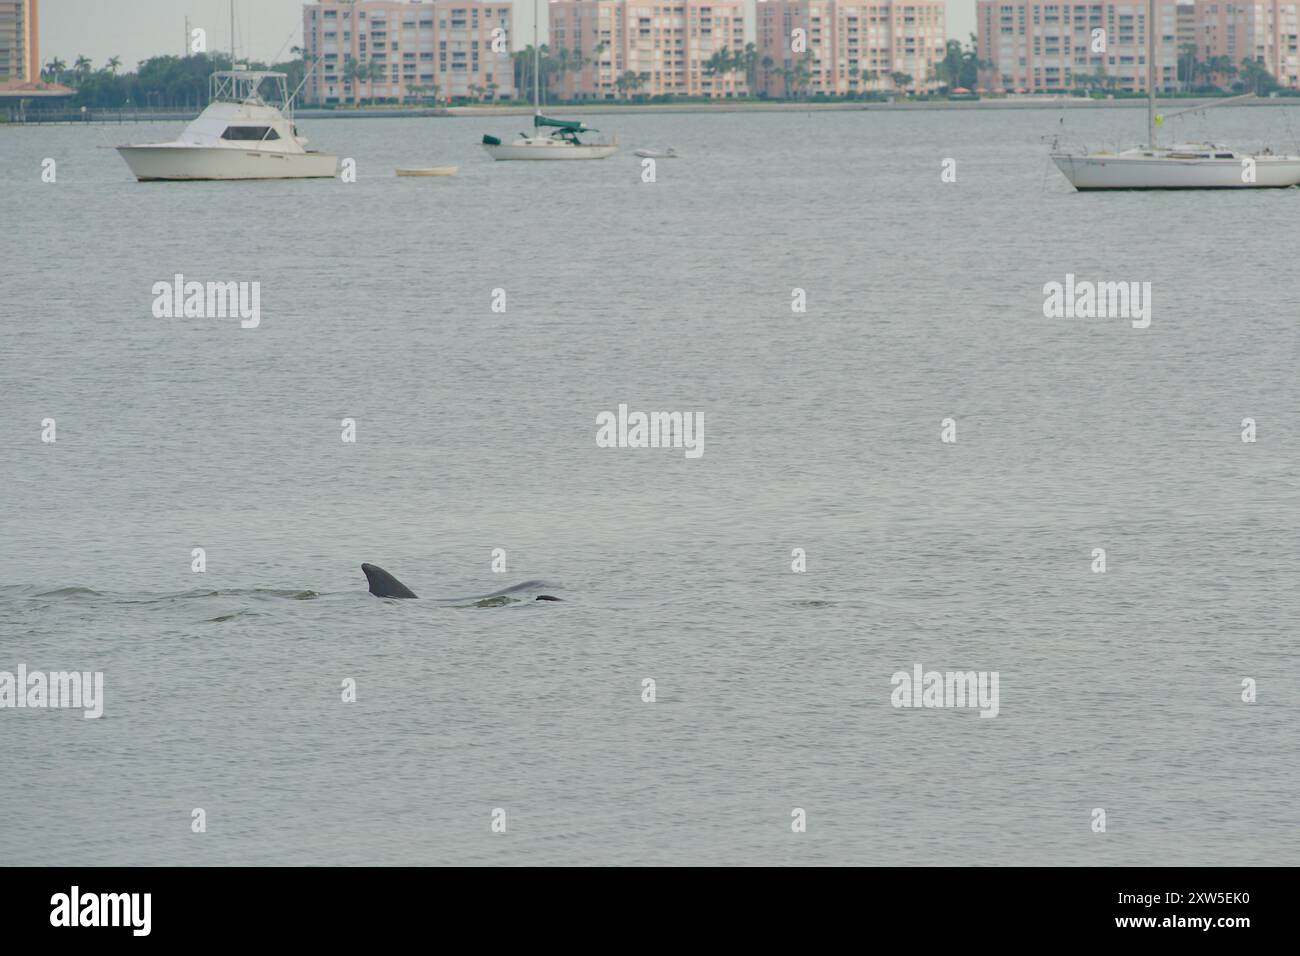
[(241, 135), (427, 170), (1182, 166), (666, 153)]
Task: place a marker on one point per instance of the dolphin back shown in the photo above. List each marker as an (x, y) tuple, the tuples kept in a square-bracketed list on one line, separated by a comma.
[(382, 584), (525, 586)]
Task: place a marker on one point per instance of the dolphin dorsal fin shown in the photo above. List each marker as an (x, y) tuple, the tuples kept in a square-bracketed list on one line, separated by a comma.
[(383, 584)]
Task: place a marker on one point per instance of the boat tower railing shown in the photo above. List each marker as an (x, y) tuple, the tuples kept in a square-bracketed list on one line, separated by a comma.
[(260, 87)]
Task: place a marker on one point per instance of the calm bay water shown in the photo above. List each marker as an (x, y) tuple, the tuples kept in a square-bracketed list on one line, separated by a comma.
[(475, 431)]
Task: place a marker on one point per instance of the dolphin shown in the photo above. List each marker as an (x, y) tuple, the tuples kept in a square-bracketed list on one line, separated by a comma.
[(383, 584)]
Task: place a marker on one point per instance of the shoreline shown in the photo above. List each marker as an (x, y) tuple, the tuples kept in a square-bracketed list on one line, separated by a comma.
[(123, 116)]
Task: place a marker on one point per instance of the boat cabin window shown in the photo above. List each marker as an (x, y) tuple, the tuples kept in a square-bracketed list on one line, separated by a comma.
[(1224, 156), (255, 133)]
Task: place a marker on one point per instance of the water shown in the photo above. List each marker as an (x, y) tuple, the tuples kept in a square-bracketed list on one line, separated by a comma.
[(475, 430)]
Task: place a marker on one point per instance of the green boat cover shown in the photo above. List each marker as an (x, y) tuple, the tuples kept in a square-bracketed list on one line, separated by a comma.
[(572, 126)]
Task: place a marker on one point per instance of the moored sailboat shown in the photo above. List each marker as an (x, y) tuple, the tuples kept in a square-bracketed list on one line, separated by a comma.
[(1180, 166), (563, 141)]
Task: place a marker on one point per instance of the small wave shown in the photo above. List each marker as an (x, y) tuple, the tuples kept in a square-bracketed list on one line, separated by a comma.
[(242, 612), (813, 603), (70, 592), (290, 594), (305, 595)]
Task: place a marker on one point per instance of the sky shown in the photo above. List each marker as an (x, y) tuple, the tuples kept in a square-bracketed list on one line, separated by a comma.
[(138, 29)]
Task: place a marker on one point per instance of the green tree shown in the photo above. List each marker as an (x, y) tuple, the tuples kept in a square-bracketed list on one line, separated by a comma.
[(1187, 67), (767, 64), (1256, 77), (629, 82), (81, 69), (54, 70)]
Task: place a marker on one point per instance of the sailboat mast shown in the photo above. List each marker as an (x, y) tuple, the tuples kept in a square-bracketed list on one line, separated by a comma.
[(537, 62), (232, 34), (1151, 73)]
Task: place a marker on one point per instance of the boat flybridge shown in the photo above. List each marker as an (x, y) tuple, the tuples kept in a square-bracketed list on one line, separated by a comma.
[(246, 132), (1181, 166)]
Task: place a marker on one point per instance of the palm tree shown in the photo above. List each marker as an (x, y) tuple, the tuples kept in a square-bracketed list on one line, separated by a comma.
[(563, 63), (900, 80), (81, 69), (720, 62), (767, 65), (803, 72), (55, 69), (787, 81), (356, 73), (629, 83), (522, 61), (749, 61), (1187, 64), (352, 70), (113, 63), (1256, 76), (1222, 66), (947, 72), (868, 77)]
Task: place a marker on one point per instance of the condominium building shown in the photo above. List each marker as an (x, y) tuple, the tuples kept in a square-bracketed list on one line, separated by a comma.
[(1263, 30), (846, 46), (1038, 46), (20, 43), (393, 50), (609, 49)]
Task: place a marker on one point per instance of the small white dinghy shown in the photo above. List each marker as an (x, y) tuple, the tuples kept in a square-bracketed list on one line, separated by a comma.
[(666, 153), (427, 170)]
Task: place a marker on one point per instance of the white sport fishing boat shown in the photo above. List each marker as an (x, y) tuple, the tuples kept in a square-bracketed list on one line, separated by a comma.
[(563, 142), (246, 132), (1181, 166)]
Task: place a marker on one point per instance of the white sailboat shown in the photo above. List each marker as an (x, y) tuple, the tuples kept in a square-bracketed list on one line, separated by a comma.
[(1180, 166), (238, 136), (562, 142)]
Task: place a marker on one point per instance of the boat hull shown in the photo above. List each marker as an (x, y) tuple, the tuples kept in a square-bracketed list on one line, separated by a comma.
[(428, 171), (548, 151), (190, 163), (1121, 172)]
